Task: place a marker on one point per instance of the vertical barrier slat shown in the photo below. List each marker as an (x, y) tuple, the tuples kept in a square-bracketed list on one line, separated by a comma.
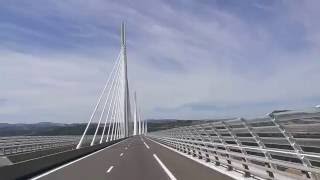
[(260, 144), (294, 145)]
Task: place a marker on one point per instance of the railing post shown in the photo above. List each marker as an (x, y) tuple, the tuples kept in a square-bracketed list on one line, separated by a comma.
[(190, 134), (194, 131), (261, 146), (179, 146), (184, 138), (294, 145), (227, 149), (207, 147), (235, 138)]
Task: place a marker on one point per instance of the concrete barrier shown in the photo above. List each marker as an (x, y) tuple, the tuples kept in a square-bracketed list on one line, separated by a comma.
[(30, 168), (4, 161)]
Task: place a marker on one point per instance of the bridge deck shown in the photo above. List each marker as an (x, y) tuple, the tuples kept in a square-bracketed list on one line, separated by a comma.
[(133, 159)]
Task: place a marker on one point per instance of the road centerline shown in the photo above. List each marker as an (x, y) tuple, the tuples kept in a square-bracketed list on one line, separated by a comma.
[(146, 145), (166, 170), (109, 170)]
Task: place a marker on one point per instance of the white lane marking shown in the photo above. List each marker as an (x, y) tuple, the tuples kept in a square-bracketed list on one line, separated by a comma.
[(171, 176), (110, 168), (121, 154), (65, 165), (146, 145), (234, 175)]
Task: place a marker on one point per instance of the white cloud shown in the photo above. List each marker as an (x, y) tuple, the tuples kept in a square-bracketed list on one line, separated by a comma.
[(177, 59)]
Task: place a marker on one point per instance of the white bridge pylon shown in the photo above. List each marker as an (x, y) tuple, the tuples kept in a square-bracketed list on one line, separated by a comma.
[(113, 109), (139, 125)]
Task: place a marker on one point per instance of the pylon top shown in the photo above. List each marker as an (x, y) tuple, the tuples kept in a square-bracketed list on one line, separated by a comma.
[(123, 34)]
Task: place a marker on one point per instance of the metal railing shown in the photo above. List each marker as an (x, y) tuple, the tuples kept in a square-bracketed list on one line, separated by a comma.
[(282, 145), (21, 144)]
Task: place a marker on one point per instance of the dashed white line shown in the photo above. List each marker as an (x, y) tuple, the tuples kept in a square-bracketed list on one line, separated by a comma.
[(65, 165), (146, 145), (121, 154), (110, 168), (171, 176)]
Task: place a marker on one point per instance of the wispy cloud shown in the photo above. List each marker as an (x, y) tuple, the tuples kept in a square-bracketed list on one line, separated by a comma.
[(186, 59)]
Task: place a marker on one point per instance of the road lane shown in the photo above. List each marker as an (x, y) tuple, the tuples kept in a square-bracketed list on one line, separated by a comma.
[(136, 158), (93, 167), (138, 164), (127, 160)]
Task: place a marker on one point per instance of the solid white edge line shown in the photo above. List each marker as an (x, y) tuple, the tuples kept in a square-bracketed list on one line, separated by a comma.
[(74, 161), (225, 172), (110, 168), (146, 145), (121, 154), (171, 176)]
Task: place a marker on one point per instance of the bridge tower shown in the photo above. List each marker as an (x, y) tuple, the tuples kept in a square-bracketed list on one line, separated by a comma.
[(135, 115), (127, 111), (113, 105)]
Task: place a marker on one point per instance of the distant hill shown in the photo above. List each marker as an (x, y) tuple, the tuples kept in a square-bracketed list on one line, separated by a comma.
[(161, 124), (42, 129), (54, 129)]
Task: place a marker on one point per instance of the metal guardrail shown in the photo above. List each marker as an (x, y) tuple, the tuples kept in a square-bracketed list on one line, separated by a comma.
[(282, 145), (20, 144)]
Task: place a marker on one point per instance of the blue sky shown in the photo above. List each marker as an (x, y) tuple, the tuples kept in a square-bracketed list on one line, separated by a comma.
[(187, 59)]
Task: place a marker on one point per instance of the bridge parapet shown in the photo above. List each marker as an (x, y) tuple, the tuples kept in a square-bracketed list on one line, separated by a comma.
[(281, 145), (22, 144)]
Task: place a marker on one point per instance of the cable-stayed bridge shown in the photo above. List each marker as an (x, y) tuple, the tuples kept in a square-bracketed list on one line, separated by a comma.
[(280, 145)]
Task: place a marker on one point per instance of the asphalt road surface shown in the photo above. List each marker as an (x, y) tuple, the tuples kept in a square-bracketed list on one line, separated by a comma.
[(136, 158)]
